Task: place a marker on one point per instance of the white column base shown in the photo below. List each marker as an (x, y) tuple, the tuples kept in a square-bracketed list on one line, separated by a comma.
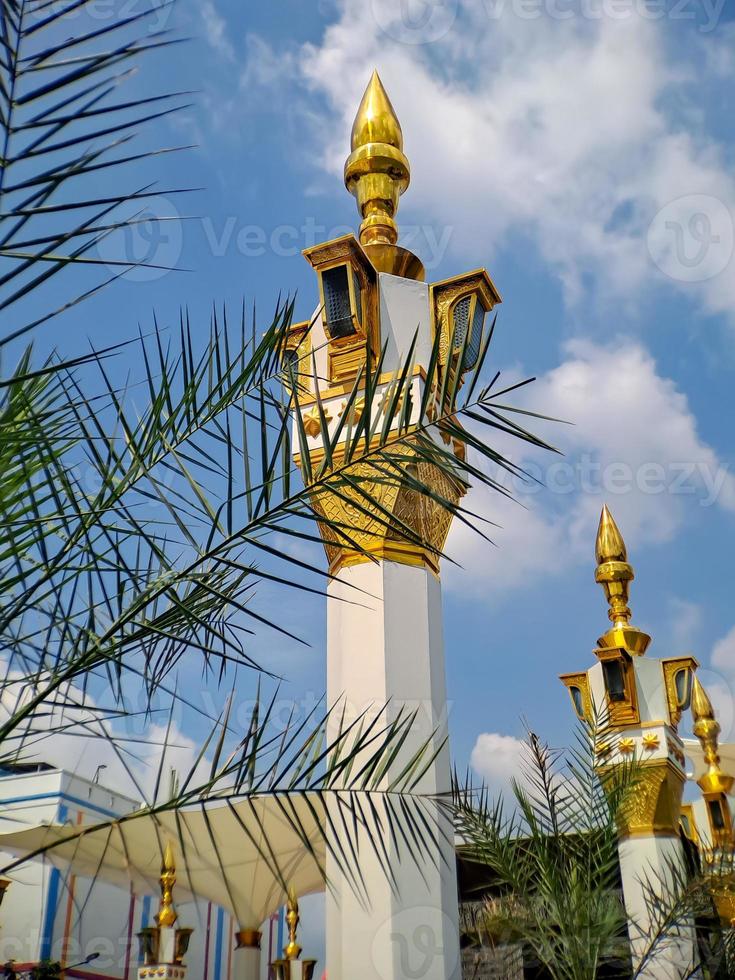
[(385, 643), (294, 969), (646, 862), (246, 963)]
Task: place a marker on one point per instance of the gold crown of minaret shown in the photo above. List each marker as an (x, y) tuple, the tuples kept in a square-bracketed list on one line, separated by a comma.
[(614, 573), (707, 729), (377, 172)]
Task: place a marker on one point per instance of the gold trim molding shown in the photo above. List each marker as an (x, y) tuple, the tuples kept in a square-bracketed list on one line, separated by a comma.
[(671, 668)]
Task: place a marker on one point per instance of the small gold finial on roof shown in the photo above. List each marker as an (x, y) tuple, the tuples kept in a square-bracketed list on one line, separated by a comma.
[(292, 951), (377, 171), (167, 912), (614, 573), (707, 729)]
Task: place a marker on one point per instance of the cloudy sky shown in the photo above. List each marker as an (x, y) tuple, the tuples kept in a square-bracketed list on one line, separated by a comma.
[(582, 151)]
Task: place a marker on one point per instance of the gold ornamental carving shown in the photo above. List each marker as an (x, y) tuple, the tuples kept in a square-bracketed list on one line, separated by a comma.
[(380, 518), (652, 804)]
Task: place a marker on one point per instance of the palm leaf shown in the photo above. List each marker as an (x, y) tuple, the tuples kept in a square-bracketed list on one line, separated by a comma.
[(62, 121)]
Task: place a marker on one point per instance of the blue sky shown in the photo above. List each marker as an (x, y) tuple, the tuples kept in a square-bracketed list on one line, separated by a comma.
[(583, 152)]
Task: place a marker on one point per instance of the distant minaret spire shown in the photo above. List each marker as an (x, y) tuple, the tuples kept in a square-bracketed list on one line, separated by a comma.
[(707, 729)]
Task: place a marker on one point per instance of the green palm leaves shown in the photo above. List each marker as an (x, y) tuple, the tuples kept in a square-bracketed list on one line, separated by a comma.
[(71, 161)]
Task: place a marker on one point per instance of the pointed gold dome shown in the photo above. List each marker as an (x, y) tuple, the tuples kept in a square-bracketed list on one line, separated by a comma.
[(614, 574), (610, 545), (377, 172), (702, 709), (376, 120)]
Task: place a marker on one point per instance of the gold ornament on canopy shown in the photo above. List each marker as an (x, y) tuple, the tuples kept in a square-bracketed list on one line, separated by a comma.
[(167, 911)]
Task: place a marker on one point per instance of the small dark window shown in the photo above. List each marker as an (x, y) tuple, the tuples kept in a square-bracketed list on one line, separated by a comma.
[(716, 815), (683, 681), (461, 321), (358, 295), (577, 701), (472, 352), (337, 309), (289, 365), (614, 679)]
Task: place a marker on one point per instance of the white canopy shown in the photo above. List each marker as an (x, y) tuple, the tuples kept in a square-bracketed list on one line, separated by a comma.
[(242, 853)]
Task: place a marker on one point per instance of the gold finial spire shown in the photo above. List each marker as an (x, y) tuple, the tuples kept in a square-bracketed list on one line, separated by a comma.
[(167, 912), (376, 120), (377, 171), (614, 574), (292, 951), (609, 545), (707, 730)]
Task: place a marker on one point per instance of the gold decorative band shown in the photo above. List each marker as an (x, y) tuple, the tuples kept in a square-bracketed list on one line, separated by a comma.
[(402, 552), (248, 939)]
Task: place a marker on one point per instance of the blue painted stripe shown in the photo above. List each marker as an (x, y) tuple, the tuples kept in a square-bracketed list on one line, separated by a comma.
[(52, 900), (218, 945), (279, 941), (61, 796), (145, 916)]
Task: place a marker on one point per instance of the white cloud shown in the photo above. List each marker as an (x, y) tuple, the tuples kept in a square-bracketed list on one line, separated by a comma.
[(723, 653), (719, 682), (215, 30), (571, 132), (633, 444), (686, 618), (498, 760), (73, 736)]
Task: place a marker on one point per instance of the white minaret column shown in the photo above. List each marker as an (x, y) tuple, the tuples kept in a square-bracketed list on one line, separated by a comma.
[(385, 642), (391, 649), (643, 698)]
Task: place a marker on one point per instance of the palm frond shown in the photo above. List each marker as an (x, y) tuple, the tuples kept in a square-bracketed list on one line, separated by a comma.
[(322, 796), (136, 522), (62, 128)]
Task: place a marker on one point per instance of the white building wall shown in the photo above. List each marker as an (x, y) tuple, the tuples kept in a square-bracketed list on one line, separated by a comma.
[(52, 914)]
